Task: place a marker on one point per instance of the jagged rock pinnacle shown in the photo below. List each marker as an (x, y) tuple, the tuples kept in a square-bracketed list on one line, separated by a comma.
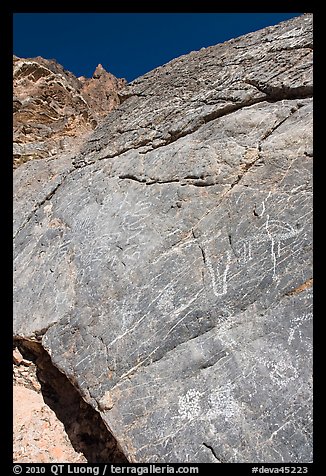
[(53, 109), (99, 71)]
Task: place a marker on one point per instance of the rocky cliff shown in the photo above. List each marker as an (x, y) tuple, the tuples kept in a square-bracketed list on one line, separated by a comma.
[(52, 108), (167, 267)]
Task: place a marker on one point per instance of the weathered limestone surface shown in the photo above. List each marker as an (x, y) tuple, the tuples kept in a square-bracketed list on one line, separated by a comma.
[(167, 269)]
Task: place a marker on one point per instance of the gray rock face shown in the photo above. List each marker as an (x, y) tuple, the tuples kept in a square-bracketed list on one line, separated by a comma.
[(167, 269)]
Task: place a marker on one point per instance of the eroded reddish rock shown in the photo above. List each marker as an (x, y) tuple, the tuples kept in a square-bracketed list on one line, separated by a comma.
[(52, 108)]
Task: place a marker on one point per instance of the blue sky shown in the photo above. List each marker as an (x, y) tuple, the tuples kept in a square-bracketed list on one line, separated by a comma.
[(128, 44)]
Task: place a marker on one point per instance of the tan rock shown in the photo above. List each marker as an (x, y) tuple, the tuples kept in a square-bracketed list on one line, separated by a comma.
[(17, 357), (51, 107), (39, 435)]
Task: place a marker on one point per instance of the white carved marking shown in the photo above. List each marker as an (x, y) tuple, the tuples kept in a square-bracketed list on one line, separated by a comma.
[(291, 335), (219, 282), (279, 249), (249, 251), (298, 322), (189, 405), (273, 231), (165, 303), (222, 403), (263, 203), (244, 254), (281, 372)]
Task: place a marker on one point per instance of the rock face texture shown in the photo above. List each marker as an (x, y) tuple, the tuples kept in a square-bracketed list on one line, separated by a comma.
[(52, 108), (167, 267)]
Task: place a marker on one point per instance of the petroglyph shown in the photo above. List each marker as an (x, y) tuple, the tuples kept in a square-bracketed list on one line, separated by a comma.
[(281, 372), (223, 404), (273, 231), (262, 208), (279, 235), (165, 303), (220, 403), (219, 274), (189, 405), (296, 324)]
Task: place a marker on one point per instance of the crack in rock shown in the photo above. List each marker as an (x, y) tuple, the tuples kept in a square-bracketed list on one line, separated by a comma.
[(279, 93), (209, 447)]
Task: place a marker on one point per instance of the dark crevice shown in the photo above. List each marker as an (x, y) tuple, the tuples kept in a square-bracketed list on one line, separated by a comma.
[(202, 253), (39, 333), (182, 182), (213, 361), (308, 46), (255, 213), (281, 48), (230, 238), (205, 119), (239, 177), (146, 181), (212, 451), (199, 183), (132, 177), (278, 93), (83, 425)]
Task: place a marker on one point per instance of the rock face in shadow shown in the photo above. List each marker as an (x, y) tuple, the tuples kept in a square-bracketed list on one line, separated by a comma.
[(52, 423), (52, 108), (167, 267)]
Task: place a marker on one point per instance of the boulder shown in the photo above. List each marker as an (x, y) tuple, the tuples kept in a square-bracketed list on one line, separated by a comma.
[(167, 267)]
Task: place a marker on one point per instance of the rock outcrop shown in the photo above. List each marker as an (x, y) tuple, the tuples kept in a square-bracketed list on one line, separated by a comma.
[(52, 108), (167, 267)]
